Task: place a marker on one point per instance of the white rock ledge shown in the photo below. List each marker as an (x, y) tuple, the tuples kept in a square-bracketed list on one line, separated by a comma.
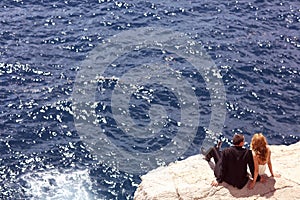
[(191, 178)]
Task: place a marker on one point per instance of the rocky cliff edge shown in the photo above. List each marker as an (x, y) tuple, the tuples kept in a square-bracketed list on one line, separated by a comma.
[(190, 179)]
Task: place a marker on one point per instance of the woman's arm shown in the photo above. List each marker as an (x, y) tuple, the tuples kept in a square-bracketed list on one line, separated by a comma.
[(270, 164), (255, 175)]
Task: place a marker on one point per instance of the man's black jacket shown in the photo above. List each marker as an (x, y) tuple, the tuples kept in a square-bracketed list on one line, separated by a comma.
[(232, 166)]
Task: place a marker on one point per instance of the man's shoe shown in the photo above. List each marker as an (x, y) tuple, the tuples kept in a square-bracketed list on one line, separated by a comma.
[(206, 154), (219, 144)]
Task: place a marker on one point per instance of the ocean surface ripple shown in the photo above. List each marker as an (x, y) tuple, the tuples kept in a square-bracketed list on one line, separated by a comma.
[(254, 44)]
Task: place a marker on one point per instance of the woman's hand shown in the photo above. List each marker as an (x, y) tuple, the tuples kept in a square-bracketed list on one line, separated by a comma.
[(276, 175), (251, 184)]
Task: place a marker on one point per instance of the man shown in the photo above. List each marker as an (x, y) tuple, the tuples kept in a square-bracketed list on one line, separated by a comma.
[(231, 163)]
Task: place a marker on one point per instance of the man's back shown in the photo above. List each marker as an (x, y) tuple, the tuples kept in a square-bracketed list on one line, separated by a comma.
[(233, 166)]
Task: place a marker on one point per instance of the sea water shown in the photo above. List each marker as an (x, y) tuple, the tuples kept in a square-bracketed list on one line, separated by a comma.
[(95, 94)]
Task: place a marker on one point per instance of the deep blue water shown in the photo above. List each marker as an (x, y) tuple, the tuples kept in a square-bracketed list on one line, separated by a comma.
[(255, 46)]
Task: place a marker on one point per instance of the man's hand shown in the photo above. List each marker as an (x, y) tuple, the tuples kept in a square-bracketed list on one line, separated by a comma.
[(214, 183)]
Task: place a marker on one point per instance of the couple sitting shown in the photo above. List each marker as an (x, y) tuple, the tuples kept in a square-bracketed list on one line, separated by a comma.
[(231, 163)]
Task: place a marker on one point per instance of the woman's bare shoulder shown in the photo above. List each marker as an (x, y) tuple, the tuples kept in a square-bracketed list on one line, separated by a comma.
[(268, 149)]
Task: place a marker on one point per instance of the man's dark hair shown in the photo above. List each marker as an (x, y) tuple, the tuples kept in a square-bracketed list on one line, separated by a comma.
[(237, 139)]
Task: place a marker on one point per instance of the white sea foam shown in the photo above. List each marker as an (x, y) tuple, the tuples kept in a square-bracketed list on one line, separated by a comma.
[(57, 185)]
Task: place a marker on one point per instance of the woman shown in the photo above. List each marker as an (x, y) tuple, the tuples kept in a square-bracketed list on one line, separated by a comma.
[(261, 157)]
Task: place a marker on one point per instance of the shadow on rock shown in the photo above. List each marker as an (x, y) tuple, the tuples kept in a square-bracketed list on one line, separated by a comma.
[(266, 189)]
